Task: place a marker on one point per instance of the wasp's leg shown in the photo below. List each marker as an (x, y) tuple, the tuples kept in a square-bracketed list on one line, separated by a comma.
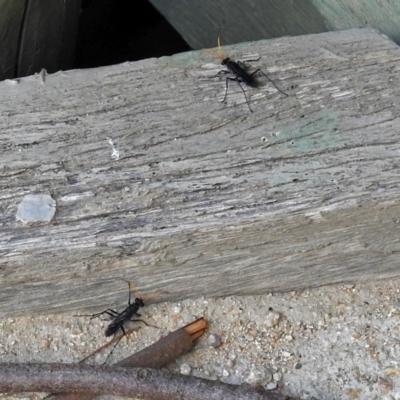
[(260, 71), (109, 312), (241, 87)]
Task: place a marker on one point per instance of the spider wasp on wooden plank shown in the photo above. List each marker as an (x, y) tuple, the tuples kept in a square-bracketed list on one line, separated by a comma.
[(238, 72)]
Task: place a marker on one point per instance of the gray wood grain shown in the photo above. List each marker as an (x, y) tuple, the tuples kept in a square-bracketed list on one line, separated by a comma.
[(203, 198)]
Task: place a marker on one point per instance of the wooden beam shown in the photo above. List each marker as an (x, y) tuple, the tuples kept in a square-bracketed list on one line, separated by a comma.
[(199, 23), (157, 182)]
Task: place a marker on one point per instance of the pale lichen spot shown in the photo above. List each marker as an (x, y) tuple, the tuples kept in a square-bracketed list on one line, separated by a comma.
[(36, 208)]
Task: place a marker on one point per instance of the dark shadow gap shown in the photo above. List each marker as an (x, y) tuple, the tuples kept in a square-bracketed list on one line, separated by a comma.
[(115, 31)]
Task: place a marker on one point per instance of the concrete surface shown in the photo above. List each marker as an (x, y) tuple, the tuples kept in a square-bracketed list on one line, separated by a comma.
[(337, 342)]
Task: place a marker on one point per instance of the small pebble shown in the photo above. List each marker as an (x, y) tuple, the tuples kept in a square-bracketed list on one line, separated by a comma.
[(232, 356), (177, 309), (214, 340), (298, 366), (277, 376), (272, 319), (385, 383), (185, 369), (259, 375), (272, 386), (392, 370)]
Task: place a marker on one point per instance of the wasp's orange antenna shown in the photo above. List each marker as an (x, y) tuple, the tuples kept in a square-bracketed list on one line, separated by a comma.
[(219, 46), (219, 54), (214, 53), (153, 296), (135, 290)]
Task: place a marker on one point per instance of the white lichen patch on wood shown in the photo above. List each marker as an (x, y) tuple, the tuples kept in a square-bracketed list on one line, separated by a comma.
[(36, 208)]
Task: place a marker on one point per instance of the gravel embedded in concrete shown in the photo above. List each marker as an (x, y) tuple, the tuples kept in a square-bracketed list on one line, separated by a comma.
[(328, 343)]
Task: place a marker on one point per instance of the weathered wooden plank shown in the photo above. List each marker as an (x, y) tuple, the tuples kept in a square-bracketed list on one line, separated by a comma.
[(157, 182), (199, 23)]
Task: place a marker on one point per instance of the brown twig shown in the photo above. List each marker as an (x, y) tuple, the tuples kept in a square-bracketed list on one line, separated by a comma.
[(157, 355), (168, 348), (134, 382)]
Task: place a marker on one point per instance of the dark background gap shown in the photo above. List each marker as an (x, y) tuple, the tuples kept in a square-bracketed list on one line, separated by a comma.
[(115, 31)]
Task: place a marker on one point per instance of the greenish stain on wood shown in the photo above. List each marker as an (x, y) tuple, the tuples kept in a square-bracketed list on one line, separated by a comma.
[(318, 132)]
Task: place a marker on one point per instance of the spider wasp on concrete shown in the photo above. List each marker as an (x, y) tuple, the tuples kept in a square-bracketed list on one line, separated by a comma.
[(120, 318)]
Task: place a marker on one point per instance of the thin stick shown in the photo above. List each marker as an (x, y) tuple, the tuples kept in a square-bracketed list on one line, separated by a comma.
[(115, 339), (135, 382)]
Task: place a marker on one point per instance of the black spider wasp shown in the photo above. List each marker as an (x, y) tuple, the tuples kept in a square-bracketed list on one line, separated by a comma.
[(119, 319), (239, 70)]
